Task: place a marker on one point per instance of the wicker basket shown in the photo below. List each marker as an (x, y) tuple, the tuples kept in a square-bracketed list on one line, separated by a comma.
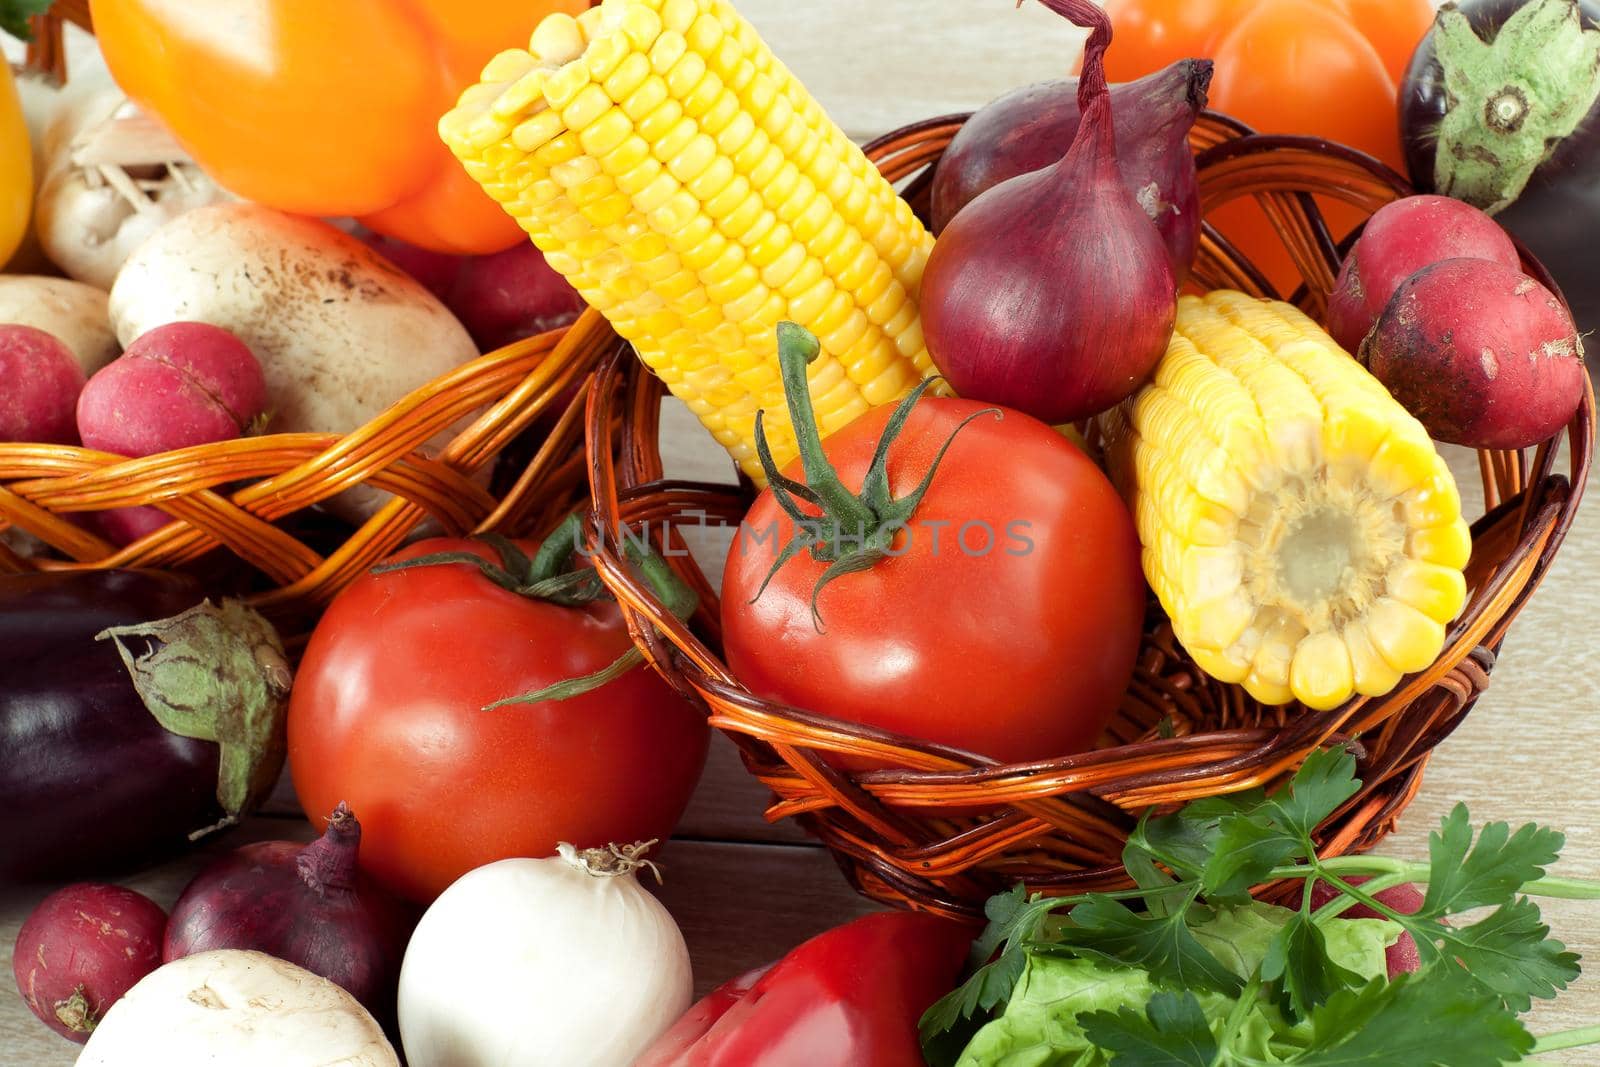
[(1060, 825), (250, 497)]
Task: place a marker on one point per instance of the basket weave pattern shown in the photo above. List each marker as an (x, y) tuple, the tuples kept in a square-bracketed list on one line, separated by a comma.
[(1059, 825), (243, 496)]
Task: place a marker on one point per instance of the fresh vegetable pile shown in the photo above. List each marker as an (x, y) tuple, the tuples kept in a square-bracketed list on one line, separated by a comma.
[(989, 451)]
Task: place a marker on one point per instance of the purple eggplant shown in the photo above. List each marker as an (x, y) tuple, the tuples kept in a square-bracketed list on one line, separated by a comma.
[(1501, 108), (134, 715), (1028, 129)]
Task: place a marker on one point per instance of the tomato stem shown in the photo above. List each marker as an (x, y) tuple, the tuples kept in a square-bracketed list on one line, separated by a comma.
[(551, 575), (849, 531)]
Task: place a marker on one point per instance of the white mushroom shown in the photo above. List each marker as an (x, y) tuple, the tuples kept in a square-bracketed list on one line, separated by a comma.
[(112, 176), (245, 1009)]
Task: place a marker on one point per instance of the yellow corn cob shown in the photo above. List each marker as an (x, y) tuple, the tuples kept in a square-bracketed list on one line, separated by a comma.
[(695, 194), (1302, 532)]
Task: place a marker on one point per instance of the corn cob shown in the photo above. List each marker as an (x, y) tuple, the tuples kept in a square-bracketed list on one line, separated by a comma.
[(1298, 525), (694, 193)]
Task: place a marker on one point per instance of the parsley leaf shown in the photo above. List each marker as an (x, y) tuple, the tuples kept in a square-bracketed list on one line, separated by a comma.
[(1162, 945), (1233, 842), (1141, 866), (1494, 869), (1172, 1032), (1509, 952), (1186, 839), (1326, 780), (1298, 958), (1014, 920), (1247, 849), (14, 16), (1437, 1017)]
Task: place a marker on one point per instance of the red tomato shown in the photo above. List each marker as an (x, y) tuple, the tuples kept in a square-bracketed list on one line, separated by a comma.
[(848, 998), (1008, 623), (387, 715)]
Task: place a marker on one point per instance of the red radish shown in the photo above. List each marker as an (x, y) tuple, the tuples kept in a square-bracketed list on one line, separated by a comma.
[(1401, 239), (1402, 956), (185, 383), (81, 949), (436, 271), (511, 295), (182, 384), (42, 382), (303, 903), (1052, 292), (1024, 130), (1480, 353), (124, 526)]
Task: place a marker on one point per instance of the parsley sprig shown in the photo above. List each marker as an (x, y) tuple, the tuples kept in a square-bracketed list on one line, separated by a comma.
[(14, 15), (1479, 972)]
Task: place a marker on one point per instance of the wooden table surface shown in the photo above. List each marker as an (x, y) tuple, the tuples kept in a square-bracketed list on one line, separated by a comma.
[(745, 891)]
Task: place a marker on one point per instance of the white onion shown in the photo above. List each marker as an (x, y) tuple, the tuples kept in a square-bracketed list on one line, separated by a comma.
[(543, 963)]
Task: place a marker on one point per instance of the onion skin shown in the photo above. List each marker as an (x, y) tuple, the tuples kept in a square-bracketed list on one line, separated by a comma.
[(1557, 213), (81, 949), (1052, 293), (1023, 131), (1480, 353), (1402, 238), (303, 903)]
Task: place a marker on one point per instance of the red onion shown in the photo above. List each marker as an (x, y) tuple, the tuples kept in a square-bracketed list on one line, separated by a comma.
[(1024, 130), (1052, 293), (303, 903)]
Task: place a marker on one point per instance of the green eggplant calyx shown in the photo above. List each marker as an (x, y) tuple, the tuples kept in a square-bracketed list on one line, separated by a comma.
[(216, 673), (1512, 99), (849, 531)]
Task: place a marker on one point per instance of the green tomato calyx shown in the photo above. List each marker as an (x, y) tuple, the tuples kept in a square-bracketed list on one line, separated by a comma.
[(850, 531)]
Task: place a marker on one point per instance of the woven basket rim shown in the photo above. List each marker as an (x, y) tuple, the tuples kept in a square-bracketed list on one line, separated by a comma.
[(424, 449)]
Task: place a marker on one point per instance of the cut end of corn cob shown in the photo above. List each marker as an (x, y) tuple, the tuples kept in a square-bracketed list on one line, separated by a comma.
[(1299, 527), (695, 194)]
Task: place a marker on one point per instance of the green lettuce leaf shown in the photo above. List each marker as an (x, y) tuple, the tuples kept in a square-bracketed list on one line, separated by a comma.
[(1042, 1022), (1040, 1025)]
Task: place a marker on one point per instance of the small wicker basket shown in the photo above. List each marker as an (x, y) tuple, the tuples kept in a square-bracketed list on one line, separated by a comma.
[(1060, 825), (250, 497)]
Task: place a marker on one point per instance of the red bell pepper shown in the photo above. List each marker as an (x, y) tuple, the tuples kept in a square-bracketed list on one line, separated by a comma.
[(848, 998)]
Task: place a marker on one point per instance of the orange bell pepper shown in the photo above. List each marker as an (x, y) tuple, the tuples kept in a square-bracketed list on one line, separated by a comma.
[(1328, 68), (16, 168), (326, 107)]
